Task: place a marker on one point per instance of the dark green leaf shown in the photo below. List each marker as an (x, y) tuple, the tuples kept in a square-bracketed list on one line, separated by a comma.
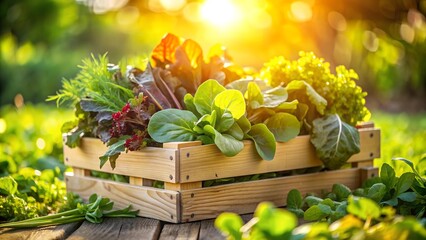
[(227, 144), (342, 192), (377, 192), (404, 183), (294, 199), (408, 196), (89, 105), (114, 151), (172, 125), (387, 174), (284, 126), (312, 200), (335, 141), (264, 141)]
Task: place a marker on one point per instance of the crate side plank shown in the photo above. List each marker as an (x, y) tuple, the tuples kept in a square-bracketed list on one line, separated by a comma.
[(243, 197), (151, 202), (151, 163), (207, 162)]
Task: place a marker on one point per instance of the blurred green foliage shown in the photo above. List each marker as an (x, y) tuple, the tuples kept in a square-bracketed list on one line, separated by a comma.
[(30, 136), (402, 135)]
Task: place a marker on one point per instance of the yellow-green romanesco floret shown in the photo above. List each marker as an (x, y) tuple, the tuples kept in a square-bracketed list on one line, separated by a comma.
[(343, 95)]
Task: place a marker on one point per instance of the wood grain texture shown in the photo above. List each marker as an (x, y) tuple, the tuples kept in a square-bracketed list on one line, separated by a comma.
[(45, 233), (151, 163), (151, 202), (206, 162), (183, 231), (118, 228), (243, 197)]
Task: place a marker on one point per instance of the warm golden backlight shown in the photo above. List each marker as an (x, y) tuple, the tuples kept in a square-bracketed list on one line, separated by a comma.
[(220, 13)]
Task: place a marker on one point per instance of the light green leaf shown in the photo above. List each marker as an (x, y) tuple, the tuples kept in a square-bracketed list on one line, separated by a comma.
[(230, 223), (317, 212), (264, 141), (8, 186), (244, 124), (271, 221), (205, 95), (172, 125), (242, 85), (189, 103), (274, 97), (317, 100), (236, 131), (363, 207), (226, 143), (335, 141), (312, 200), (287, 105), (224, 122), (230, 101), (207, 119), (254, 96), (284, 126)]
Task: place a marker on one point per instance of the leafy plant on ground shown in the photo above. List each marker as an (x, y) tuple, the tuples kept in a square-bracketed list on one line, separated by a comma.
[(366, 213), (215, 115), (95, 211), (31, 193), (405, 194)]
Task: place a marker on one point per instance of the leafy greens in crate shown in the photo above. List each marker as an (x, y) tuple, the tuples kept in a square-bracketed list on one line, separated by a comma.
[(179, 95)]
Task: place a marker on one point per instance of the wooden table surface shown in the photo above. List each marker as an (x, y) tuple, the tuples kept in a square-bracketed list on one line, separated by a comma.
[(120, 228)]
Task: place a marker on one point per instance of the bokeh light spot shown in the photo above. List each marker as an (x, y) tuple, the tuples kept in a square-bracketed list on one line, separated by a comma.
[(40, 143), (301, 11), (337, 21), (192, 12), (370, 41), (407, 33), (128, 15), (173, 5), (3, 125)]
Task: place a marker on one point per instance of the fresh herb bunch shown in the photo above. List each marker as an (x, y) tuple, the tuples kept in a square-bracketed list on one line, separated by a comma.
[(95, 211), (343, 95), (31, 193)]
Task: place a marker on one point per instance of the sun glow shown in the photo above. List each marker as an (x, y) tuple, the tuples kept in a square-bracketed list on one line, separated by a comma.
[(220, 13)]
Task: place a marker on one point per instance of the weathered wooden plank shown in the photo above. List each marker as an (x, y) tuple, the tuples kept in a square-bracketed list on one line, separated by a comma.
[(243, 197), (118, 228), (208, 231), (151, 163), (152, 202), (45, 233), (207, 162), (180, 231)]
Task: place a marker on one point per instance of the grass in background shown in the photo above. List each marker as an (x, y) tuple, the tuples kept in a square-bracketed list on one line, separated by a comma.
[(402, 135)]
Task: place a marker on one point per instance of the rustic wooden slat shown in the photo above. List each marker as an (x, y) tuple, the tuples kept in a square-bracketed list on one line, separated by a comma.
[(179, 145), (45, 233), (151, 202), (368, 172), (368, 163), (182, 186), (119, 228), (80, 171), (141, 181), (205, 203), (208, 231), (180, 231), (207, 162), (151, 163)]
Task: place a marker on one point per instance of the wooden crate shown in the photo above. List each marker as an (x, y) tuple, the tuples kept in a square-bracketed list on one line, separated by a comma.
[(184, 166)]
